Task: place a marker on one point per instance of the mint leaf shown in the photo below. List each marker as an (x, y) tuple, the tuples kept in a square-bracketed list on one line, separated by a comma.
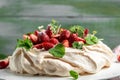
[(58, 51), (77, 45), (74, 74), (77, 29), (27, 44), (55, 26), (91, 39)]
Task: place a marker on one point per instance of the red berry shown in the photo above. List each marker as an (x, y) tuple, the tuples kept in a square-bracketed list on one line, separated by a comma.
[(47, 45), (86, 31), (4, 63), (74, 37), (80, 39), (54, 41), (36, 32), (65, 34), (33, 38), (43, 37), (38, 46), (118, 58), (65, 43), (49, 31)]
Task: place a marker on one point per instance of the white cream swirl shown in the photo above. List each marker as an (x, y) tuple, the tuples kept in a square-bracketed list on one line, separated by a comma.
[(89, 60)]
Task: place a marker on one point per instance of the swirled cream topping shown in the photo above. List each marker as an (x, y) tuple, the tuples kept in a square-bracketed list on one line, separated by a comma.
[(90, 59)]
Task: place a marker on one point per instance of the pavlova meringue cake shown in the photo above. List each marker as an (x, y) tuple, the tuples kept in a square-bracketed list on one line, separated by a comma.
[(57, 51)]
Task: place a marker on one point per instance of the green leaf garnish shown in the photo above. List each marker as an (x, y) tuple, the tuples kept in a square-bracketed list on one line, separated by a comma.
[(91, 39), (27, 44), (77, 29), (74, 74), (55, 26), (58, 51), (77, 45)]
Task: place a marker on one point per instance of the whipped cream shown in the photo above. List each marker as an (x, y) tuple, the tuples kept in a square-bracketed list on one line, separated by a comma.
[(36, 61)]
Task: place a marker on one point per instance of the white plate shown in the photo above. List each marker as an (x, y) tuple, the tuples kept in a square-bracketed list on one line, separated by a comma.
[(113, 71)]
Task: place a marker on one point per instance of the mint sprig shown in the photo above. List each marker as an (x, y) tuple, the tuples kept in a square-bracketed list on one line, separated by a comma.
[(55, 26), (77, 29), (91, 39), (74, 74), (58, 51), (27, 44), (77, 45)]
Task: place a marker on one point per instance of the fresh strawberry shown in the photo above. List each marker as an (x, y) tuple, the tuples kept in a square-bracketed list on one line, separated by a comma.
[(43, 37), (36, 32), (33, 38), (65, 43), (86, 31), (118, 58), (4, 63), (80, 39), (49, 31), (74, 37), (38, 46), (54, 41), (25, 36), (65, 34), (47, 45)]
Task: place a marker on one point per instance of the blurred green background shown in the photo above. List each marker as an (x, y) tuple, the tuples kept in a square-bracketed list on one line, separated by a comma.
[(20, 16)]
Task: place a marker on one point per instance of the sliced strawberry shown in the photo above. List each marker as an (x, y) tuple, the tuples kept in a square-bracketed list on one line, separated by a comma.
[(74, 37), (25, 36), (86, 31), (4, 63), (65, 34), (80, 39), (38, 46), (49, 31), (33, 38), (47, 45), (43, 37), (36, 32), (65, 43), (54, 41)]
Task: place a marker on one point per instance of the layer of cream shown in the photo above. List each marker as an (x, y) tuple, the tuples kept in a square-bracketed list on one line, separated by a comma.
[(89, 60)]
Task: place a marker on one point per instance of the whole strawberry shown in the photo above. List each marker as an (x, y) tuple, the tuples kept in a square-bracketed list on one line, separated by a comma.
[(54, 41), (47, 45), (65, 34), (43, 37), (4, 63)]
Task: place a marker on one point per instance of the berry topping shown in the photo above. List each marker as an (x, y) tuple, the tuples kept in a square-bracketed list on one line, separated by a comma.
[(33, 38), (65, 34), (47, 45), (43, 37), (4, 63), (54, 41), (65, 43)]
